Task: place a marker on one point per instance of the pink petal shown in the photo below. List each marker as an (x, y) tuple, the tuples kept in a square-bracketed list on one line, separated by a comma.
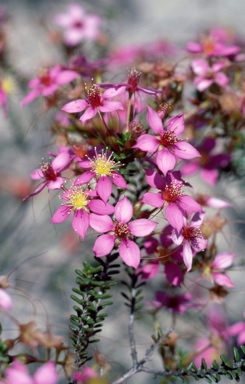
[(129, 253), (37, 190), (88, 114), (221, 79), (80, 222), (184, 150), (214, 202), (37, 174), (173, 273), (57, 184), (46, 374), (174, 216), (190, 168), (210, 176), (101, 223), (147, 143), (118, 180), (237, 328), (104, 188), (66, 76), (202, 84), (188, 204), (153, 199), (31, 96), (75, 106), (62, 213), (154, 121), (200, 67), (165, 161), (112, 92), (18, 373), (141, 227), (61, 161), (223, 280), (103, 245), (187, 255), (155, 180), (99, 207), (176, 124), (223, 260), (123, 211), (110, 106), (84, 178), (6, 302)]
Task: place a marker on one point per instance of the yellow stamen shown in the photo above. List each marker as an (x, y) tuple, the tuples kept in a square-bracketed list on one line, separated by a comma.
[(103, 165), (78, 198)]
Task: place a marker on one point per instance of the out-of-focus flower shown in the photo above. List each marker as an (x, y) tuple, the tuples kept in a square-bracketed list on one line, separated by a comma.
[(78, 26), (48, 81), (206, 75), (6, 302), (18, 373), (238, 329), (215, 270), (175, 303)]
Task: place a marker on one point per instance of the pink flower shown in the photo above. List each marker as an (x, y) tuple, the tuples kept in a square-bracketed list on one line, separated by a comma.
[(103, 170), (170, 195), (95, 102), (120, 232), (165, 143), (51, 173), (212, 46), (18, 373), (80, 201), (206, 75), (191, 238), (3, 99), (86, 374), (48, 81), (77, 25), (215, 270)]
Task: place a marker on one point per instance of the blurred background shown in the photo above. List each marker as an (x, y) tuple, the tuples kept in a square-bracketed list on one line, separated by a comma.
[(39, 257)]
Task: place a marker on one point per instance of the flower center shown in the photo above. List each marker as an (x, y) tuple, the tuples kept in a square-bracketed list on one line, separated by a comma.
[(168, 139), (103, 165), (48, 172), (192, 233), (78, 24), (121, 231), (44, 77), (7, 85), (78, 198), (208, 45), (172, 191), (93, 96), (133, 79)]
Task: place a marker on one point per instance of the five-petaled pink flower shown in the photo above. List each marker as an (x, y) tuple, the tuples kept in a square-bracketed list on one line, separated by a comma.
[(48, 81), (103, 169), (170, 195), (165, 143), (95, 102), (80, 201), (78, 26), (120, 232), (18, 373), (191, 238), (51, 173), (206, 75)]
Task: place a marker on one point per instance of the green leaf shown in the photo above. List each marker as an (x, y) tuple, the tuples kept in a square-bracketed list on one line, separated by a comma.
[(204, 364), (226, 362), (229, 376), (215, 365), (236, 354)]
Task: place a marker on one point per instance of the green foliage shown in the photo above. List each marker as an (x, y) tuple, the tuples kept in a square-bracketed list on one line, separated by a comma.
[(91, 298), (133, 297)]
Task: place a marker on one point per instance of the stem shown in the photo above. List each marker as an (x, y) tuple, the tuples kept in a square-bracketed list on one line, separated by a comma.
[(131, 332)]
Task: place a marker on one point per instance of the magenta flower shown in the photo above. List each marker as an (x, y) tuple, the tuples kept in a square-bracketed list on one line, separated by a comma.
[(120, 232), (191, 238), (212, 46), (215, 270), (18, 373), (103, 169), (165, 143), (206, 75), (209, 164), (51, 173), (77, 25), (175, 303), (95, 102), (170, 196), (80, 201), (3, 98), (48, 81)]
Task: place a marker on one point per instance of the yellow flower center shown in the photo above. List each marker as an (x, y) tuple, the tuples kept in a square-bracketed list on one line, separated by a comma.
[(7, 85), (78, 198), (103, 165)]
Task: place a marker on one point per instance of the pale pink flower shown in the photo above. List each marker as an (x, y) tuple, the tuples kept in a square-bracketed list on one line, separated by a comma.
[(206, 75), (103, 170), (78, 26), (177, 205), (48, 81), (6, 302), (238, 329), (165, 143), (18, 373), (86, 374), (216, 269), (191, 238), (120, 232), (95, 102), (51, 173), (80, 201), (212, 46)]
